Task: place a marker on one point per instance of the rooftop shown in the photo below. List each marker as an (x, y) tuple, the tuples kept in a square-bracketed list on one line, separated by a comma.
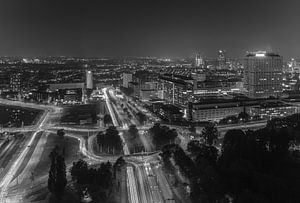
[(262, 54)]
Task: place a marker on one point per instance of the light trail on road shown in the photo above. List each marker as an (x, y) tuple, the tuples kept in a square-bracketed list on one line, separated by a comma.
[(132, 185), (130, 174), (113, 116)]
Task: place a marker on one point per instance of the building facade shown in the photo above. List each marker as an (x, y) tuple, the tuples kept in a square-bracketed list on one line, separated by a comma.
[(127, 78), (199, 60), (15, 82), (89, 79), (263, 74), (175, 90)]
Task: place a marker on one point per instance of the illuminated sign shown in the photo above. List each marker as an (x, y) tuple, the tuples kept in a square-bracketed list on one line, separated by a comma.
[(260, 55)]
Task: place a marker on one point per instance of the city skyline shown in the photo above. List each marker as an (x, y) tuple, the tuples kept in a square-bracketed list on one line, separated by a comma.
[(149, 101), (166, 29)]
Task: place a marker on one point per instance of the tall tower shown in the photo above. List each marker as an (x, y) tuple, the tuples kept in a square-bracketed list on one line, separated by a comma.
[(222, 58), (89, 79), (263, 74), (198, 60)]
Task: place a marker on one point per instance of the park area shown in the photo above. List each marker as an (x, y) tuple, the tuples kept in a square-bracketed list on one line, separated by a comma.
[(71, 146), (68, 147)]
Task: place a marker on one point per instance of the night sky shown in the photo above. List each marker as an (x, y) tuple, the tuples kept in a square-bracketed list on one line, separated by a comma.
[(148, 28)]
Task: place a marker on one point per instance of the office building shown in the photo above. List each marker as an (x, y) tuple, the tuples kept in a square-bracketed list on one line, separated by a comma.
[(89, 79), (222, 58), (67, 92), (135, 87), (217, 109), (176, 89), (213, 110), (263, 74), (199, 60)]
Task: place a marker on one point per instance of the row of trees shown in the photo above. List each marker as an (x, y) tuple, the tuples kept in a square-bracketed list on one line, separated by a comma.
[(162, 135), (97, 182), (142, 118), (57, 180), (107, 120), (110, 141), (200, 170), (241, 117), (184, 162), (210, 134), (133, 139), (253, 166)]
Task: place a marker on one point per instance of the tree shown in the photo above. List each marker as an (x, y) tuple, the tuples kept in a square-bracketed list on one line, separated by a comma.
[(112, 135), (52, 171), (193, 147), (79, 170), (232, 141), (142, 117), (101, 139), (107, 119), (162, 135), (97, 182), (110, 139), (192, 128), (60, 133), (207, 155), (210, 133), (120, 162), (57, 175), (244, 116), (133, 132)]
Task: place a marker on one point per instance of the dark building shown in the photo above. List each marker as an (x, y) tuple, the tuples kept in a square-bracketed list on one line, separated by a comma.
[(67, 91)]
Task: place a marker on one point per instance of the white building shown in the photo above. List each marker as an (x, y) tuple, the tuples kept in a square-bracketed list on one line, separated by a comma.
[(89, 79), (127, 78)]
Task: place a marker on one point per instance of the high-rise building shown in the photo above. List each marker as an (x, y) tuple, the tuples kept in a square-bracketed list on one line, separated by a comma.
[(198, 60), (127, 78), (89, 79), (222, 58), (263, 74)]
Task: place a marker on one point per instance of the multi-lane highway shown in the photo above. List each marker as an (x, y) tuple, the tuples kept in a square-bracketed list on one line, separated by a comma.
[(148, 188)]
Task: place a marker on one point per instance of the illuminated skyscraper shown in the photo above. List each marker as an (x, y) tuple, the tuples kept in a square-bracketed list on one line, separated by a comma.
[(89, 79), (263, 74), (222, 57), (198, 60)]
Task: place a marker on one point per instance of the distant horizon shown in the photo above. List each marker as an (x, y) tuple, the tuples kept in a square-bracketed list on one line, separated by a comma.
[(141, 28), (137, 57)]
